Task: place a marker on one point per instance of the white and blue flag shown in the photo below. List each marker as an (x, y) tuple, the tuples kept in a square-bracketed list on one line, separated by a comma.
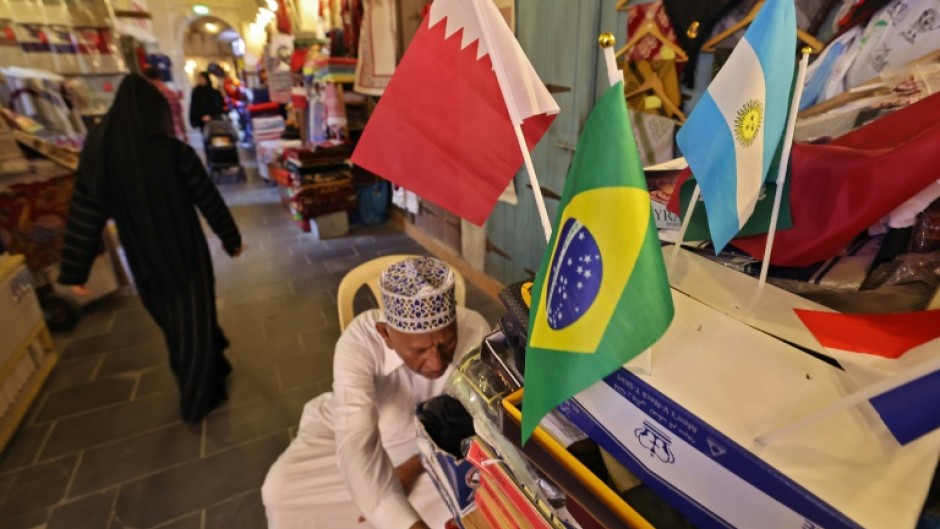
[(735, 130)]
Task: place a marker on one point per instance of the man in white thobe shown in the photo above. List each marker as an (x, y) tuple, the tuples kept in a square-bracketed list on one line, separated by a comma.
[(354, 462)]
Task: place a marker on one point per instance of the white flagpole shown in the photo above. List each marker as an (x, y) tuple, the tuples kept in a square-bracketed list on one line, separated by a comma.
[(686, 220), (500, 69), (784, 163), (867, 393), (614, 76)]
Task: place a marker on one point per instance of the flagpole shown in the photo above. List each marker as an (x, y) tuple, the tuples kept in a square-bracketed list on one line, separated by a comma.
[(784, 163), (614, 76), (685, 223), (867, 393), (500, 69)]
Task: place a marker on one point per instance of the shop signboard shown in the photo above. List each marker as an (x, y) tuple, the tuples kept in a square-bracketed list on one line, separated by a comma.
[(686, 421)]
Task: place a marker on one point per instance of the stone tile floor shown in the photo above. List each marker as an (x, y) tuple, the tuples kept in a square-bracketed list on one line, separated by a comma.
[(103, 447)]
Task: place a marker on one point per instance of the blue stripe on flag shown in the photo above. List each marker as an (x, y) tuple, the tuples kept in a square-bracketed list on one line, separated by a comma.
[(709, 138), (772, 35), (911, 410)]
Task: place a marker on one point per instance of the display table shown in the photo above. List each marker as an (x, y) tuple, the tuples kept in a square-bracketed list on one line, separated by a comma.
[(27, 353)]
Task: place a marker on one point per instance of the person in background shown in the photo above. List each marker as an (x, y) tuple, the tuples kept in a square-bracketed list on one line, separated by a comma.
[(133, 170), (205, 103), (355, 453), (154, 75)]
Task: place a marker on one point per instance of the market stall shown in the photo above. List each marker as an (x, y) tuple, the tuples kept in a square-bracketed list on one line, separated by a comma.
[(704, 393)]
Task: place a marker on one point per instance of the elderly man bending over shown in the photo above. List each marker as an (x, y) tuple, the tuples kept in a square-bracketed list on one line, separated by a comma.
[(355, 455)]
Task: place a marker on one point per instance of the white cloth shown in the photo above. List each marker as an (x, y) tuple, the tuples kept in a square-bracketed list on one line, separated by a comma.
[(342, 463), (902, 31)]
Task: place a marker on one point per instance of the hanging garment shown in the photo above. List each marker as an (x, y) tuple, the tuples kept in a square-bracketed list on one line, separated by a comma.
[(635, 73), (134, 171), (901, 32), (649, 47), (825, 77), (856, 13), (378, 46), (693, 21), (655, 137)]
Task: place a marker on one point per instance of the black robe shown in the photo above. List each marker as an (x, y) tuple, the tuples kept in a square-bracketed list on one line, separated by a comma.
[(204, 101), (133, 170)]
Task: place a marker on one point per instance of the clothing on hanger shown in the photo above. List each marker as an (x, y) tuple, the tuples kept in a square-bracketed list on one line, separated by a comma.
[(649, 47), (655, 137), (824, 77), (856, 13), (901, 32), (635, 74), (693, 21)]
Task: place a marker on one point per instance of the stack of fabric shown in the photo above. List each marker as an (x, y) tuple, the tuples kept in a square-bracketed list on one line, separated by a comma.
[(335, 69), (267, 128)]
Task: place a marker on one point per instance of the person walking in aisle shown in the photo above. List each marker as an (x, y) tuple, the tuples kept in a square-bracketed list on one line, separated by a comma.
[(172, 98), (133, 170), (205, 103)]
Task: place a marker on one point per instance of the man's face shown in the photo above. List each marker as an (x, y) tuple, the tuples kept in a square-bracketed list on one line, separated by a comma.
[(427, 354)]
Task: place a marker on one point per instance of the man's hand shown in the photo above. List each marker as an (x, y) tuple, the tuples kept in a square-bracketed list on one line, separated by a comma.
[(80, 290), (408, 473), (205, 119), (239, 251)]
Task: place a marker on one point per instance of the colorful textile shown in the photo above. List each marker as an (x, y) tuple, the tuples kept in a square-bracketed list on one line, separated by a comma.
[(649, 47), (418, 295), (32, 219)]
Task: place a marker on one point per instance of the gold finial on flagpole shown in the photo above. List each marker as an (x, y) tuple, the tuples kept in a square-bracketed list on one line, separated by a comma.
[(807, 50), (606, 40)]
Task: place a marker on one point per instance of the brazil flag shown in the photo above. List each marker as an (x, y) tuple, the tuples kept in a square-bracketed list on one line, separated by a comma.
[(601, 296)]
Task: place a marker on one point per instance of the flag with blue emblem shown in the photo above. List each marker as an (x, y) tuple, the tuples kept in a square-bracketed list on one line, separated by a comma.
[(733, 134), (601, 296)]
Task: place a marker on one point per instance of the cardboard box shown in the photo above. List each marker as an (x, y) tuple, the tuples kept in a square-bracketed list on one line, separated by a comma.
[(717, 383), (330, 225)]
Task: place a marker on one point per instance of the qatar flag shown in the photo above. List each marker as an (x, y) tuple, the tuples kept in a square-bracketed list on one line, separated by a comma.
[(444, 127)]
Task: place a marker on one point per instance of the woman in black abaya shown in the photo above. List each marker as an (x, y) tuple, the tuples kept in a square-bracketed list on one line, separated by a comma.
[(135, 171)]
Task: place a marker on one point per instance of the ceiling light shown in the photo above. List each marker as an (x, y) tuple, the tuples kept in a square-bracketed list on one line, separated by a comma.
[(200, 9)]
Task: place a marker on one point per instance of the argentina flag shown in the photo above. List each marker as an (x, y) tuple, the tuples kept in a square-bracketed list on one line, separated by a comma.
[(735, 130)]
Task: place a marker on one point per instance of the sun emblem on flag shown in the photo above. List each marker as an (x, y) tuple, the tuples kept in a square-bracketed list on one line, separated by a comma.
[(575, 277), (748, 121)]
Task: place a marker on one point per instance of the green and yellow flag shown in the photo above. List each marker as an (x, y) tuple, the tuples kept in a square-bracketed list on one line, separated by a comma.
[(601, 296)]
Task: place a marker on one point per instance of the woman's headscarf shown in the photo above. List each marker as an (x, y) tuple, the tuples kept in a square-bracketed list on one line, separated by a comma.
[(129, 166)]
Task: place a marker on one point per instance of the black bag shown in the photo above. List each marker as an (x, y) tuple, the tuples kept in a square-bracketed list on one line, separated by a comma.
[(517, 298)]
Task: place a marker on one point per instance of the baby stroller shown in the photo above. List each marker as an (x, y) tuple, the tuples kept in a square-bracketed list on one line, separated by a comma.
[(221, 144)]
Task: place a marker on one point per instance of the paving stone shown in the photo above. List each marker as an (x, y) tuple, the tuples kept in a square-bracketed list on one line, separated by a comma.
[(326, 254), (107, 465), (183, 489), (133, 359), (91, 512), (155, 381), (110, 424), (37, 487), (239, 424), (71, 372), (22, 448), (242, 512), (119, 338), (86, 397)]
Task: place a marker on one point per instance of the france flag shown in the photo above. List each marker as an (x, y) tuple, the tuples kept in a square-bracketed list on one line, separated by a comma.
[(734, 132)]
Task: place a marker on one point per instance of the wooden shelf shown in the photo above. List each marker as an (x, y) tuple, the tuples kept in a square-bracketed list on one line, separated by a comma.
[(27, 394)]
